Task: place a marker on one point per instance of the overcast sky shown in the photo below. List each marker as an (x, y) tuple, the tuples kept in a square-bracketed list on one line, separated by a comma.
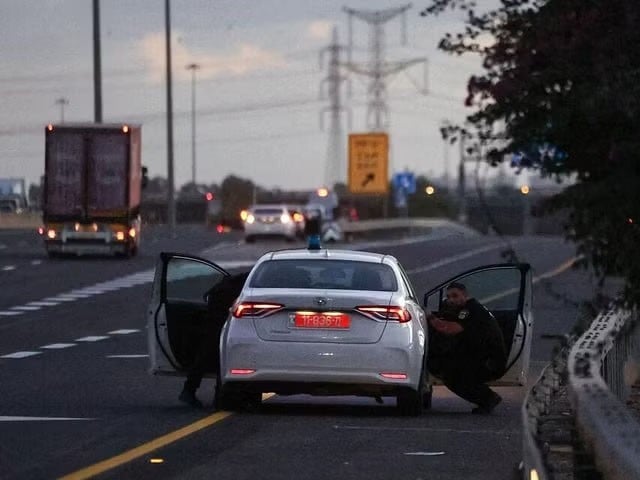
[(257, 93)]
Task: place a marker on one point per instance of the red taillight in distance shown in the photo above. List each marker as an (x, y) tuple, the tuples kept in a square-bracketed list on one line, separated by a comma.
[(390, 312), (256, 309)]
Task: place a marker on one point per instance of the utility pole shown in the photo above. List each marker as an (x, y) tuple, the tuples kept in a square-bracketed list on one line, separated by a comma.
[(193, 67), (445, 159), (97, 64), (378, 69), (171, 200), (62, 102), (332, 84), (462, 199)]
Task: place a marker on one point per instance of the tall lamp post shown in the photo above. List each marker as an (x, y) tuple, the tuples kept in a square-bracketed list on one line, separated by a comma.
[(193, 67), (171, 200), (63, 102)]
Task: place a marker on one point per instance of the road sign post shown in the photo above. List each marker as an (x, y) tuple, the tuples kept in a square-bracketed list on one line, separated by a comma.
[(369, 163)]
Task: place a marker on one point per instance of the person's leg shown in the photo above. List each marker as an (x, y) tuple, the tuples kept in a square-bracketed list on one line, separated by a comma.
[(471, 387), (196, 372)]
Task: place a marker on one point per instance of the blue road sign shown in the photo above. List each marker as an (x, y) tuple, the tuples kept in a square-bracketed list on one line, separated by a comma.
[(405, 181)]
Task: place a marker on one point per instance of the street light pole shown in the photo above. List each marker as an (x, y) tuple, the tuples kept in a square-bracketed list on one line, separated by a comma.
[(171, 200), (97, 64), (462, 212), (193, 67), (62, 102)]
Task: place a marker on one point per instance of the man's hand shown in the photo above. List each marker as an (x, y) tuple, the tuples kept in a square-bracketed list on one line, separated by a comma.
[(442, 326)]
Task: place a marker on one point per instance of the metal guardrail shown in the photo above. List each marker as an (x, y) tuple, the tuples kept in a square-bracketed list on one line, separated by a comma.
[(598, 390), (406, 223), (537, 407)]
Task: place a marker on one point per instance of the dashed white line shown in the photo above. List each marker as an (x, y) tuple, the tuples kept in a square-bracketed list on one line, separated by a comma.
[(4, 418), (9, 313), (36, 262), (20, 354), (128, 356), (8, 268), (60, 299), (124, 331), (42, 304), (92, 338), (58, 346), (26, 308)]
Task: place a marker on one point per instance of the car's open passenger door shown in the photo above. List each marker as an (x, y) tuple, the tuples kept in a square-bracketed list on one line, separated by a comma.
[(506, 291), (177, 317)]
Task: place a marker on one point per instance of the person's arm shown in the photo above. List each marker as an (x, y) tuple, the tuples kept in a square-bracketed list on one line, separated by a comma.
[(444, 327)]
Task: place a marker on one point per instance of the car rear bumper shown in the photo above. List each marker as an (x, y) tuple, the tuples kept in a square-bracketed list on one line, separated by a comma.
[(336, 368), (273, 229)]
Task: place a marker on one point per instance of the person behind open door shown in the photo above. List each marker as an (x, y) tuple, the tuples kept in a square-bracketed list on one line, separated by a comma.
[(206, 341), (467, 348)]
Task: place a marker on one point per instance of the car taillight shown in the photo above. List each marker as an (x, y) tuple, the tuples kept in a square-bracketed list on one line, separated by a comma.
[(394, 313), (255, 309)]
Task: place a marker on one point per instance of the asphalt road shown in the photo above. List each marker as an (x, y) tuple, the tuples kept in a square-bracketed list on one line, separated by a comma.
[(74, 389)]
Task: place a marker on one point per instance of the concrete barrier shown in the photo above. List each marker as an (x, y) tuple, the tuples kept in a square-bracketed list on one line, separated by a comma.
[(405, 226), (20, 220)]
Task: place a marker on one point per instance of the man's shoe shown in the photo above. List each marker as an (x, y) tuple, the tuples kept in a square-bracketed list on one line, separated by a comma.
[(487, 409), (190, 399)]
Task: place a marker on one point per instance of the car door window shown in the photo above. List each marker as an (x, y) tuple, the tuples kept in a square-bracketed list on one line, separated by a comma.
[(496, 289), (188, 280)]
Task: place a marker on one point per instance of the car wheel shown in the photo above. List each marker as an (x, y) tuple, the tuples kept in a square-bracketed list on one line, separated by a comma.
[(236, 400), (411, 402)]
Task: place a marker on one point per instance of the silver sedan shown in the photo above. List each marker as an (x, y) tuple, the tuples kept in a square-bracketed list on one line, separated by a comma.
[(325, 323)]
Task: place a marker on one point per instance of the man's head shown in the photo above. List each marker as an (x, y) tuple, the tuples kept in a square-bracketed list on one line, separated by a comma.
[(457, 294)]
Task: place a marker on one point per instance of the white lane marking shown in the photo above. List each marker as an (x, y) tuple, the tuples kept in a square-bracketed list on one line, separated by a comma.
[(92, 338), (42, 304), (424, 454), (9, 313), (74, 296), (8, 268), (41, 419), (36, 262), (59, 299), (26, 308), (128, 356), (124, 331), (58, 346), (456, 258), (20, 354)]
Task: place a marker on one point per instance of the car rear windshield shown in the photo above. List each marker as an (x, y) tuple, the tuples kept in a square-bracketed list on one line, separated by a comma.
[(267, 211), (325, 274)]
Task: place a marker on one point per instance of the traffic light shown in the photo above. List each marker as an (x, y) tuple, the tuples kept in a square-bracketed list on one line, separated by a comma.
[(525, 189), (209, 196)]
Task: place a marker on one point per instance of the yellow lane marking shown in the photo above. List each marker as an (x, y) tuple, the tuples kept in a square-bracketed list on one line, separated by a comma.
[(146, 448)]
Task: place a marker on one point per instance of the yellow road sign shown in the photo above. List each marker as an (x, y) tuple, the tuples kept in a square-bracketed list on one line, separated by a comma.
[(369, 163)]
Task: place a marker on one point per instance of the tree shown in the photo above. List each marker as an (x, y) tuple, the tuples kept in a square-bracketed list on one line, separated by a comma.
[(236, 194), (560, 93)]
